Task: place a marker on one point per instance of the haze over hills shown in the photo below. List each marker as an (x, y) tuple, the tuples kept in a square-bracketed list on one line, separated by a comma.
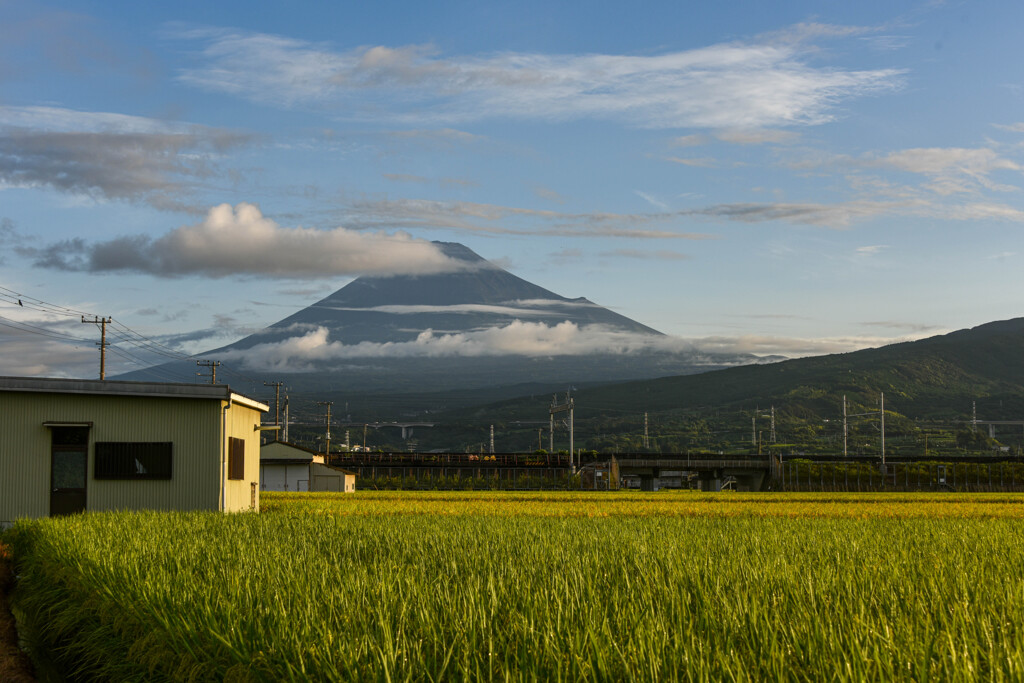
[(477, 334), (936, 377)]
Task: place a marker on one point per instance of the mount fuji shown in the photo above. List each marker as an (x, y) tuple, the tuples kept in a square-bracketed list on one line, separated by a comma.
[(478, 331)]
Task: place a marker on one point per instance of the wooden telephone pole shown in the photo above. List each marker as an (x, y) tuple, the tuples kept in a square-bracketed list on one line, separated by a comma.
[(213, 365), (102, 322)]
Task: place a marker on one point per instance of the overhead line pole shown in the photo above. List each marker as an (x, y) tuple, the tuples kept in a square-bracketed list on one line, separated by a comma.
[(328, 404), (213, 365), (277, 402), (565, 407), (102, 322)]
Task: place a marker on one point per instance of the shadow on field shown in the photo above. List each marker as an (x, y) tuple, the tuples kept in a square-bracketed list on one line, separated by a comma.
[(14, 664)]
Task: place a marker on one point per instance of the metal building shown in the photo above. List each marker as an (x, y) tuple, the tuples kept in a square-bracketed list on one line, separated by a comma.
[(287, 467), (69, 445)]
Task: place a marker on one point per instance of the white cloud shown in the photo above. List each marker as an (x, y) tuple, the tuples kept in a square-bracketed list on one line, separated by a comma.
[(518, 338), (536, 339), (241, 241), (731, 85), (871, 249)]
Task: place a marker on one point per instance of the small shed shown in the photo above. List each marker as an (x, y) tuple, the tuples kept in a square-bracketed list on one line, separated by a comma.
[(288, 467), (71, 445)]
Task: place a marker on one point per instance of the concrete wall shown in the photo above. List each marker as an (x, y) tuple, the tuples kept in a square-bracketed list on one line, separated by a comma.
[(284, 477), (324, 478)]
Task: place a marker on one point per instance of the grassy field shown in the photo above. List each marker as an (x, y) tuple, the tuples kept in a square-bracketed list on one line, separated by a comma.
[(419, 586)]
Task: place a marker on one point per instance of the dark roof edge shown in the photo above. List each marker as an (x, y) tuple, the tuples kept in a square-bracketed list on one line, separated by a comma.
[(56, 385)]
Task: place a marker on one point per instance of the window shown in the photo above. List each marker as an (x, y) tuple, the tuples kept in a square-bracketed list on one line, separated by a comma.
[(132, 460), (236, 458)]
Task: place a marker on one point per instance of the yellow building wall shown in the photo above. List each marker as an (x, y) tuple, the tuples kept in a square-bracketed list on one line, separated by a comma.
[(243, 494), (198, 428)]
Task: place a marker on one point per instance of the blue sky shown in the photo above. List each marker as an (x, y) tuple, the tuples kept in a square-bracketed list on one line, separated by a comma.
[(790, 179)]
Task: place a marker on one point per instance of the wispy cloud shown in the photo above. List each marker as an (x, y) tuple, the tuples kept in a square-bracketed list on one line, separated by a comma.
[(916, 328), (757, 137), (837, 215), (652, 200), (437, 135), (871, 249), (241, 241), (696, 162), (457, 309), (423, 180), (949, 170), (690, 140), (952, 169), (495, 219), (108, 155), (795, 347), (732, 85), (658, 255)]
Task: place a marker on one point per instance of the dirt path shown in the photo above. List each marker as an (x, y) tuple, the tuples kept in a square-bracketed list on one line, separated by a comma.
[(14, 665)]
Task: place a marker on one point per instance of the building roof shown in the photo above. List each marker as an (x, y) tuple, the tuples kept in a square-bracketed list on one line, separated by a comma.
[(285, 453), (96, 387)]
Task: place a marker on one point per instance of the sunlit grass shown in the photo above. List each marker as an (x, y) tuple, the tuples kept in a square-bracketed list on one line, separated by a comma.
[(660, 504), (399, 586)]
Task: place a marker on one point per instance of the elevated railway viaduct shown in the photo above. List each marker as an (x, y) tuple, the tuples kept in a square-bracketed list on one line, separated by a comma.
[(753, 472)]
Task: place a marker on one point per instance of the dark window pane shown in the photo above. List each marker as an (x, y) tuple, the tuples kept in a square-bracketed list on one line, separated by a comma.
[(236, 458), (70, 436), (69, 469), (127, 460)]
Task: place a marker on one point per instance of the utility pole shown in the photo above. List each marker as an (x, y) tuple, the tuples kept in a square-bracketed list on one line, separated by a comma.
[(753, 429), (974, 415), (647, 441), (213, 365), (568, 406), (102, 322), (773, 424), (328, 450), (881, 398), (277, 403), (844, 425), (286, 420), (492, 439)]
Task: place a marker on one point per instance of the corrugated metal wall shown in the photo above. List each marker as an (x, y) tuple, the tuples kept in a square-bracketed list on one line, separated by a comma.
[(193, 425), (241, 421)]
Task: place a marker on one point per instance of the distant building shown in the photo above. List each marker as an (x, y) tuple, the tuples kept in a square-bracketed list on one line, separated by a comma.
[(69, 445), (287, 467)]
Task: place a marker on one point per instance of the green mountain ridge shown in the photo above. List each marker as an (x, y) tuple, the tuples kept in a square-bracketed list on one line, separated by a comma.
[(937, 377)]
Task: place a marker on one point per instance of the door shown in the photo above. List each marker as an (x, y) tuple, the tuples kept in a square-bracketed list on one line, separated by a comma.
[(68, 470)]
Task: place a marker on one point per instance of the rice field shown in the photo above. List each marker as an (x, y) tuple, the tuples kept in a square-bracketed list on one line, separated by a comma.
[(440, 586)]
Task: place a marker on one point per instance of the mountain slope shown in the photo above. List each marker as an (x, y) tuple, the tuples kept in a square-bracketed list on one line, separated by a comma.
[(938, 376), (478, 331)]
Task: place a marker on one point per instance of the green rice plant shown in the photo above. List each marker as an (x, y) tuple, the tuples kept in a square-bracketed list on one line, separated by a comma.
[(304, 593)]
